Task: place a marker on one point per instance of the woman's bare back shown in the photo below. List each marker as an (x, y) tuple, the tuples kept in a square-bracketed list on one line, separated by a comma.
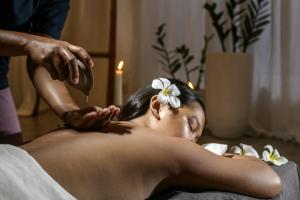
[(124, 163)]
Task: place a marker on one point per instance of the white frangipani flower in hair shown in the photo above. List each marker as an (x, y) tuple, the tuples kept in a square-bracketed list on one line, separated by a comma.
[(273, 156), (245, 150), (168, 93)]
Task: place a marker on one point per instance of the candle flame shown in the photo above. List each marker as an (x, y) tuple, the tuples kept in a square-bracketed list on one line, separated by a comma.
[(120, 65), (190, 84)]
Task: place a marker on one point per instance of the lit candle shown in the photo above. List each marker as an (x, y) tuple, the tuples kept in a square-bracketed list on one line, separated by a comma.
[(119, 85), (190, 84)]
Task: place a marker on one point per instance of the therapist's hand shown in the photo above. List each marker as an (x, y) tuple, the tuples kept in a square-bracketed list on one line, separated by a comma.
[(58, 57), (92, 117)]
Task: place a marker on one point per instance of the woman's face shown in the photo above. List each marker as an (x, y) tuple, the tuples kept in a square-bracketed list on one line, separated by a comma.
[(186, 122)]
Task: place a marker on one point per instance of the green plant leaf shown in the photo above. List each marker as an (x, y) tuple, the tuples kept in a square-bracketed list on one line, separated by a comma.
[(176, 68), (253, 40), (160, 29), (264, 17), (239, 12), (254, 7), (264, 4), (257, 32), (174, 62), (162, 36), (194, 68), (261, 24), (157, 48), (189, 59), (248, 24), (160, 41), (238, 19), (229, 10), (185, 53), (252, 15), (232, 3), (223, 23)]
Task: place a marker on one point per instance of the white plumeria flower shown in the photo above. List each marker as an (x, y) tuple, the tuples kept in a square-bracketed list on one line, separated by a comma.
[(273, 156), (245, 150), (168, 93), (216, 148)]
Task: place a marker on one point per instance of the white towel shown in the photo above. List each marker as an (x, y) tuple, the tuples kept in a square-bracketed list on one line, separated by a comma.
[(216, 148), (22, 178)]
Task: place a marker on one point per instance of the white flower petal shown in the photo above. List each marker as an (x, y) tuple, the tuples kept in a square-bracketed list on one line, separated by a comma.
[(174, 90), (157, 84), (166, 82), (283, 160), (174, 102), (269, 147), (276, 162), (216, 148), (245, 147), (266, 156), (251, 152), (276, 154), (162, 98), (236, 150)]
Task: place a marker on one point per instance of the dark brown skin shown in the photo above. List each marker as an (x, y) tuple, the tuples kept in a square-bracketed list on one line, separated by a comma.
[(134, 159), (51, 61), (57, 56), (59, 98)]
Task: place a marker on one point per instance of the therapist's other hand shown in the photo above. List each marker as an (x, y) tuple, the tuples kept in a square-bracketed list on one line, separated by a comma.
[(92, 117), (58, 57)]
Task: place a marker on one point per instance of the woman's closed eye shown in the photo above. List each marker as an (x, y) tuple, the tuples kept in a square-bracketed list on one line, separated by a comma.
[(193, 123)]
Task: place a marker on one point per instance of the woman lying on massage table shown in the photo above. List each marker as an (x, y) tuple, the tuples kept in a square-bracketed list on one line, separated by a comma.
[(148, 151)]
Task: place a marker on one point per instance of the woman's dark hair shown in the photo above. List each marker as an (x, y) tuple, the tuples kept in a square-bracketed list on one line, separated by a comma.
[(138, 103)]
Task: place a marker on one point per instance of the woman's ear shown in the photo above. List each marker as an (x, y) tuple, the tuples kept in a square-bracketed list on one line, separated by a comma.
[(155, 107)]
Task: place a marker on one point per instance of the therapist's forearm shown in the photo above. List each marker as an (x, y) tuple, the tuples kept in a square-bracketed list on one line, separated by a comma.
[(13, 43), (54, 92)]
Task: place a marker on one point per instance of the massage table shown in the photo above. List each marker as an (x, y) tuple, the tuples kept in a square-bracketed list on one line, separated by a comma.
[(289, 174)]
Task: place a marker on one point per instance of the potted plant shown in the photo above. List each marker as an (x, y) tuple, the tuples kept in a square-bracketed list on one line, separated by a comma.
[(228, 74), (228, 77), (180, 57)]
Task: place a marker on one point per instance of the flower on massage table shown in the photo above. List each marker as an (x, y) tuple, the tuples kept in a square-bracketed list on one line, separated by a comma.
[(168, 93), (216, 148), (245, 150), (272, 155)]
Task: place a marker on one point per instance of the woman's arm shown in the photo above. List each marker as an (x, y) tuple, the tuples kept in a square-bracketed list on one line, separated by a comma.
[(202, 169)]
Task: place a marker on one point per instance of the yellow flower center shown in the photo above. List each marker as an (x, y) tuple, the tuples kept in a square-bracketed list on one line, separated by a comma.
[(273, 156), (166, 92)]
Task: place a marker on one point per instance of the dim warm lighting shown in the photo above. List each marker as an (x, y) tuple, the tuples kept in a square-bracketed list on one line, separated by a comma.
[(120, 65), (190, 84)]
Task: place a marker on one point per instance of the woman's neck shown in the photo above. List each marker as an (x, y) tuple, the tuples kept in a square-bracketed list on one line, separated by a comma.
[(140, 121)]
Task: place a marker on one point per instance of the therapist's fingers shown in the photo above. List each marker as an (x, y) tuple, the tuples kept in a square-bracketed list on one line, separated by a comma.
[(87, 120), (91, 123), (99, 120), (114, 111), (82, 55), (57, 63), (70, 63), (104, 118), (53, 73)]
